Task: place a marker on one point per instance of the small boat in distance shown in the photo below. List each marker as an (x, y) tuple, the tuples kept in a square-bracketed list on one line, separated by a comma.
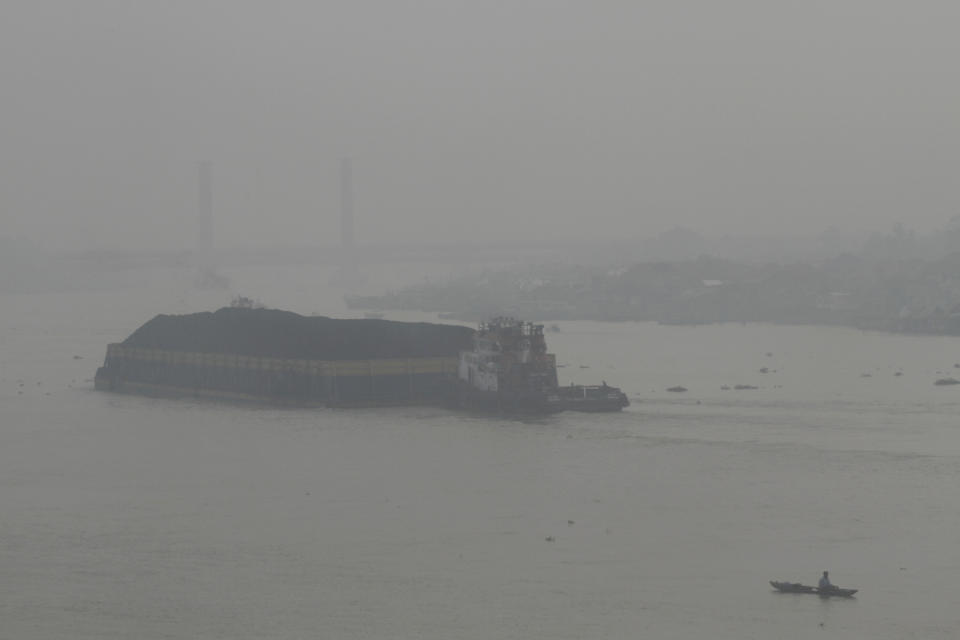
[(796, 587)]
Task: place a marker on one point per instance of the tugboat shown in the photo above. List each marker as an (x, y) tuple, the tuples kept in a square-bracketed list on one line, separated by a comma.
[(508, 370), (593, 397)]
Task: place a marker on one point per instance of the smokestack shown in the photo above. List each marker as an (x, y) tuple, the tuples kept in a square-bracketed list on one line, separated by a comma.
[(205, 216), (349, 274), (207, 276), (346, 208)]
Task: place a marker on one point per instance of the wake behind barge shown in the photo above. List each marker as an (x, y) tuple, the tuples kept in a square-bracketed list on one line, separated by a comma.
[(282, 357)]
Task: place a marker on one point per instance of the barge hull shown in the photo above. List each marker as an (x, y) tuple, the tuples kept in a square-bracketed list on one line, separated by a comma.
[(355, 383)]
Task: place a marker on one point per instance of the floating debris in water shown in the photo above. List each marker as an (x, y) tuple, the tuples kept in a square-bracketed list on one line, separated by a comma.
[(677, 389), (942, 382), (744, 387)]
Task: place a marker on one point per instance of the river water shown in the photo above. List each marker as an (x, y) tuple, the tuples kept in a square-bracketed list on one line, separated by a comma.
[(135, 517)]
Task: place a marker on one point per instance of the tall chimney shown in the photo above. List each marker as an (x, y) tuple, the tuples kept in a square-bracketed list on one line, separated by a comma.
[(348, 274), (205, 216), (346, 208)]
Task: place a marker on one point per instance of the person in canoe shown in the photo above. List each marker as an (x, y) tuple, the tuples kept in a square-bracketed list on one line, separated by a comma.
[(825, 584)]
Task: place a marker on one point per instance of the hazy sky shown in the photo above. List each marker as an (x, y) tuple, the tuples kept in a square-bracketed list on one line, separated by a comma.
[(475, 120)]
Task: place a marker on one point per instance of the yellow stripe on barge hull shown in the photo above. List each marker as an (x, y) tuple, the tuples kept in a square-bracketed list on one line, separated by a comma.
[(384, 382)]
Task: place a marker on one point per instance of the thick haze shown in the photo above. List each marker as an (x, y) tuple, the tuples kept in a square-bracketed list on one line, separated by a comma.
[(475, 121)]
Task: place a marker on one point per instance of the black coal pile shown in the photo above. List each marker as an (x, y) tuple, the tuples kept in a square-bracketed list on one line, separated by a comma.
[(283, 334)]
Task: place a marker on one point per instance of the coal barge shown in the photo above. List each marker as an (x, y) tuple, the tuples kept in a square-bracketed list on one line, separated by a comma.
[(282, 357)]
